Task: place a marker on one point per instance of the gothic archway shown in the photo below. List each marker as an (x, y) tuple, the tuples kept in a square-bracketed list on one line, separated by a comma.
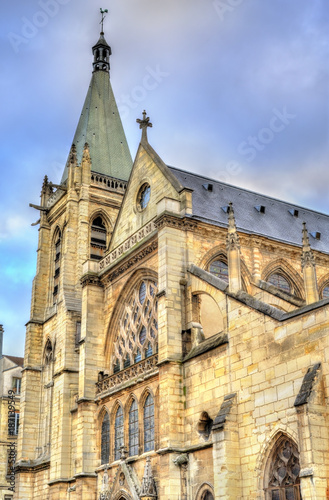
[(281, 479)]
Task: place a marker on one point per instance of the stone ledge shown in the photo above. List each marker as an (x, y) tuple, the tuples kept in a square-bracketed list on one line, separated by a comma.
[(207, 345)]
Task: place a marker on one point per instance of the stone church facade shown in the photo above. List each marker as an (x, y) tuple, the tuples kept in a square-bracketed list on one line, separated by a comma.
[(178, 340)]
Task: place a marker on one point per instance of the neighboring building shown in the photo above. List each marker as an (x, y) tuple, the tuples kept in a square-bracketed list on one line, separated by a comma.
[(10, 390), (177, 349)]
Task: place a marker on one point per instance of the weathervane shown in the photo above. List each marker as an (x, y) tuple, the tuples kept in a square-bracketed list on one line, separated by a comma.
[(103, 17)]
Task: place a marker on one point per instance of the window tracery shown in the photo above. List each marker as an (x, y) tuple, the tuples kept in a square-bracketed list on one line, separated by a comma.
[(283, 474), (138, 328), (325, 292), (149, 423)]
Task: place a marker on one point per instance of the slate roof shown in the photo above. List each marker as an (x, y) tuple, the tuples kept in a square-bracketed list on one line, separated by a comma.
[(100, 126), (276, 223)]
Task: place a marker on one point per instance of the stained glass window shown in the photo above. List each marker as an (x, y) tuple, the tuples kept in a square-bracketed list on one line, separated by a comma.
[(133, 429), (219, 269), (137, 335), (149, 424), (279, 281), (283, 480), (105, 440), (325, 292), (118, 433)]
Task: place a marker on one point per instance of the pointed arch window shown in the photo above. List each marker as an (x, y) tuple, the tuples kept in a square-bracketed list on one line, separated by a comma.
[(219, 268), (118, 433), (97, 239), (278, 280), (58, 245), (149, 423), (325, 292), (282, 482), (137, 334), (133, 429), (105, 439), (207, 495)]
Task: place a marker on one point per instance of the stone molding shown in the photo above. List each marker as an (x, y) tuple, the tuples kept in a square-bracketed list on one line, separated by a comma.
[(147, 250), (141, 368), (174, 221), (90, 279), (137, 237)]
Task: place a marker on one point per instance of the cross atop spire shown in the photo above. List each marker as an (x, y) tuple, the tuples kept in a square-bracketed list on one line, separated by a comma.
[(103, 12), (143, 124)]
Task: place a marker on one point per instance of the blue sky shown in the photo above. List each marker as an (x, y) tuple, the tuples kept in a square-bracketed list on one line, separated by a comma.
[(239, 92)]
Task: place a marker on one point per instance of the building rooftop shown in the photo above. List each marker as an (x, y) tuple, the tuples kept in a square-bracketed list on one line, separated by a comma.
[(254, 213)]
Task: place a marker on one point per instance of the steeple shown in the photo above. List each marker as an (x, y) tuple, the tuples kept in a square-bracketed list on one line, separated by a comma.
[(100, 123)]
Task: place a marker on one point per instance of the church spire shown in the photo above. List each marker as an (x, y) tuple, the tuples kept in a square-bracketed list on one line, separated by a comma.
[(100, 123)]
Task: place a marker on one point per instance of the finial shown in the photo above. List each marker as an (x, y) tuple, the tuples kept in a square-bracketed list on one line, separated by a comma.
[(143, 124), (102, 20), (148, 484), (307, 254), (45, 184), (73, 155), (86, 152), (232, 240)]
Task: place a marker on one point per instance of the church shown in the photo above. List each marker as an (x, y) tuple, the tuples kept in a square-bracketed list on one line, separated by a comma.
[(177, 347)]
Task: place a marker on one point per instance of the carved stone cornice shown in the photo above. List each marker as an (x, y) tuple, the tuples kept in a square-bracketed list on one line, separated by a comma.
[(90, 279), (177, 222), (145, 366), (134, 259), (138, 237)]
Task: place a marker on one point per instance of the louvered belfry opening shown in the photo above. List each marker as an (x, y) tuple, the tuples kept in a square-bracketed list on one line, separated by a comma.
[(97, 239)]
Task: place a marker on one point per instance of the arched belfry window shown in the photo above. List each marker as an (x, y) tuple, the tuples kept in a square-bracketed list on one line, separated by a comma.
[(278, 280), (149, 423), (105, 439), (57, 270), (97, 239), (282, 481), (133, 429), (219, 268), (137, 335)]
